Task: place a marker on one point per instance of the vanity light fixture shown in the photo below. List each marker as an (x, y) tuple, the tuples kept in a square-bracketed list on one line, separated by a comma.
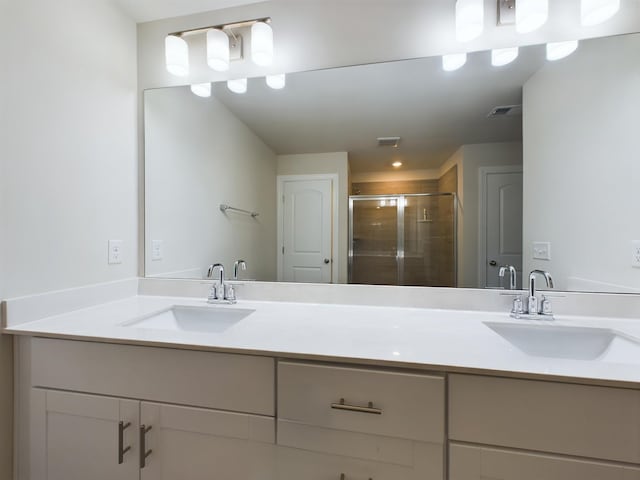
[(558, 50), (176, 52), (218, 56), (469, 19), (277, 82), (223, 45), (453, 61), (594, 12), (531, 15), (238, 85), (262, 44), (503, 56), (201, 89), (396, 164)]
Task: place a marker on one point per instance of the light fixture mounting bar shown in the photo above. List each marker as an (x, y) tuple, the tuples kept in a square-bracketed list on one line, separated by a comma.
[(224, 26), (506, 12)]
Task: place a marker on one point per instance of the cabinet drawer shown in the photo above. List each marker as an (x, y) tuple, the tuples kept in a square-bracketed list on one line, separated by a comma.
[(480, 463), (294, 464), (205, 379), (569, 419), (403, 405)]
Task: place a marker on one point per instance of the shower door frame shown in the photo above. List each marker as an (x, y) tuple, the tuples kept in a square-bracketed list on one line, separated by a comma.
[(400, 205)]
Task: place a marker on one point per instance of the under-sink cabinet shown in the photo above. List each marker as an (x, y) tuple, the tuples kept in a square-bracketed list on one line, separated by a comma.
[(79, 436)]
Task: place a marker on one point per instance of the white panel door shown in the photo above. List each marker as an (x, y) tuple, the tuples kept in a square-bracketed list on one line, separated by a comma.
[(77, 437), (504, 226), (186, 443), (307, 235)]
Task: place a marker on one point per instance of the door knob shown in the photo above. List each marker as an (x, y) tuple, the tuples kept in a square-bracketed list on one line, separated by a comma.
[(493, 263), (327, 261)]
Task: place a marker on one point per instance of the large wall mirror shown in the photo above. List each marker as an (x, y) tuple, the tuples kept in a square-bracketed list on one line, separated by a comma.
[(403, 173)]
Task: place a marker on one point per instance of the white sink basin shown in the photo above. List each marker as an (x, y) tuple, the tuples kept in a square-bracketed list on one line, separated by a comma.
[(578, 343), (192, 319)]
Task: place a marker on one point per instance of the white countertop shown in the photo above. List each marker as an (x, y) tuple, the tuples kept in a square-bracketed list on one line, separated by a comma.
[(431, 339)]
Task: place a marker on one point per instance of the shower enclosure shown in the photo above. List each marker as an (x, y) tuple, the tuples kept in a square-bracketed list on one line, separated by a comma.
[(403, 239)]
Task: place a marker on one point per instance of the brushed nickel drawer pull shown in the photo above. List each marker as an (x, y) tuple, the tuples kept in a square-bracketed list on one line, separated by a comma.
[(343, 477), (356, 408), (144, 453), (121, 448)]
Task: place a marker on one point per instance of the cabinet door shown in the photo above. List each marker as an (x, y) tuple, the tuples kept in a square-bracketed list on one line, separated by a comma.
[(196, 444), (77, 437)]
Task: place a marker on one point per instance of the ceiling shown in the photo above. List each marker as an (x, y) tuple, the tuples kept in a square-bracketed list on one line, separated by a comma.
[(149, 10), (346, 109)]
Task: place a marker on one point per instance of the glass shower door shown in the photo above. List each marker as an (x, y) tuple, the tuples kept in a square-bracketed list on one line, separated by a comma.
[(374, 241)]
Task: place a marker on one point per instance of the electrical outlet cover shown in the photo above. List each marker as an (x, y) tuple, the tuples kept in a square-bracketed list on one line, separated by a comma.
[(115, 252), (156, 250), (542, 250), (635, 254)]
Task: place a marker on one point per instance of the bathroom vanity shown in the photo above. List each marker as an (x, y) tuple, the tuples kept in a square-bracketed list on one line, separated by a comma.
[(292, 390)]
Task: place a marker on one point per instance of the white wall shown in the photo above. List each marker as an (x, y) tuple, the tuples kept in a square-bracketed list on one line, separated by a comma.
[(581, 149), (469, 159), (67, 154), (199, 155), (316, 163)]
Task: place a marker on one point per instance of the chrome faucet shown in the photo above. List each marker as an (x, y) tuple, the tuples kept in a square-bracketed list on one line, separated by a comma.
[(512, 275), (220, 292), (535, 309), (238, 263)]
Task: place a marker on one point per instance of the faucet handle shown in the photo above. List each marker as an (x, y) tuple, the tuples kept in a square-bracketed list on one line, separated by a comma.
[(546, 306), (213, 293), (229, 292)]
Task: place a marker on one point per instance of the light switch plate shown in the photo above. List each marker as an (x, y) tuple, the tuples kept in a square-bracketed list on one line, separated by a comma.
[(542, 250), (115, 252), (635, 254), (156, 250)]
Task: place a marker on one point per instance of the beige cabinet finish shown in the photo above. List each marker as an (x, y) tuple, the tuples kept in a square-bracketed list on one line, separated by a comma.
[(579, 420), (412, 405), (486, 463), (240, 383), (75, 437), (198, 444), (398, 434)]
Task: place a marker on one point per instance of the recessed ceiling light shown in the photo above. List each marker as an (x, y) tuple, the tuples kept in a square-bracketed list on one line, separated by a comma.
[(396, 164), (453, 61), (558, 50)]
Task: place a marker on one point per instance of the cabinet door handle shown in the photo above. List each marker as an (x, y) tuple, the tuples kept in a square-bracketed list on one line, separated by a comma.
[(144, 453), (121, 448), (344, 477), (357, 408)]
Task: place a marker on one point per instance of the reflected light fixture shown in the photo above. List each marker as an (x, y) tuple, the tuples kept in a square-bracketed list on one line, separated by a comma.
[(201, 89), (469, 19), (262, 44), (239, 85), (218, 50), (503, 56), (453, 61), (594, 12), (558, 50), (531, 15), (176, 53), (396, 164), (276, 82)]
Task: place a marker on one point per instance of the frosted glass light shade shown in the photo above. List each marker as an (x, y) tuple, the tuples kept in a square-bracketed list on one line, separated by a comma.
[(503, 56), (261, 44), (531, 15), (217, 50), (201, 89), (469, 19), (176, 52), (276, 82), (453, 62), (558, 50), (239, 85), (593, 12)]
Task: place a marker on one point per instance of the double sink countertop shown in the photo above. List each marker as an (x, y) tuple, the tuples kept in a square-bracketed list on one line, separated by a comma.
[(593, 350)]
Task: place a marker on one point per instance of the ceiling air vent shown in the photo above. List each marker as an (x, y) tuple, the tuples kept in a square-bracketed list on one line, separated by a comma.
[(388, 141), (505, 111)]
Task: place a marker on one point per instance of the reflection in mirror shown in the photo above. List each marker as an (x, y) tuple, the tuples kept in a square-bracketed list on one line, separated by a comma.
[(402, 173)]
